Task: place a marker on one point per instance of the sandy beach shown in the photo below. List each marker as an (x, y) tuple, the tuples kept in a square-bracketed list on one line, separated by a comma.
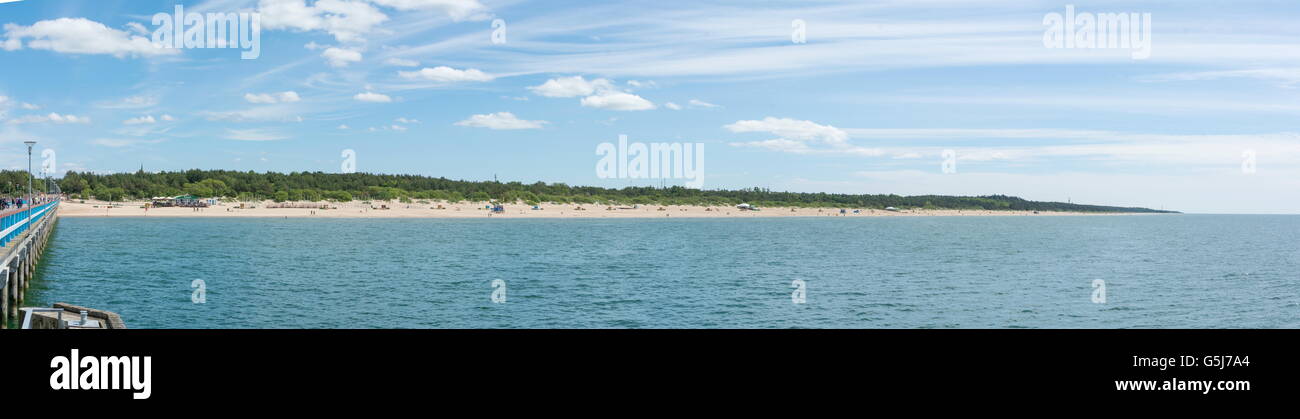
[(76, 208)]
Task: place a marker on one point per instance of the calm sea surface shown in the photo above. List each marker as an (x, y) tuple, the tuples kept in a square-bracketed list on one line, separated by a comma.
[(1171, 271)]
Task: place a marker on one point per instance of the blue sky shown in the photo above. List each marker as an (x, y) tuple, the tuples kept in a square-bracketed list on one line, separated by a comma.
[(868, 104)]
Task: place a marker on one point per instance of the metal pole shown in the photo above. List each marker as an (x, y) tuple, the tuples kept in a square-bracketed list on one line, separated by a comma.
[(28, 202)]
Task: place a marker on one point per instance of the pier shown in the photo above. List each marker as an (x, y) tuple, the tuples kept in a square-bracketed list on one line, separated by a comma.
[(24, 233)]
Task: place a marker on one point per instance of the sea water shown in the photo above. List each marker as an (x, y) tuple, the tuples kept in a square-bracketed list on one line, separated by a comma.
[(1150, 271)]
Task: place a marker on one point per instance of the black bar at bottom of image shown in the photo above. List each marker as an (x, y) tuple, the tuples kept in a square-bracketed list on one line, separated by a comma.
[(165, 366)]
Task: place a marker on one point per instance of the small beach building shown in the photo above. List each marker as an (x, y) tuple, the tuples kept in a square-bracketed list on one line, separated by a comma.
[(188, 201)]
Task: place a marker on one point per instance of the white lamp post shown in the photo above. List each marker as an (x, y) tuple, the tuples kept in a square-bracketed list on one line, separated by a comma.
[(28, 202)]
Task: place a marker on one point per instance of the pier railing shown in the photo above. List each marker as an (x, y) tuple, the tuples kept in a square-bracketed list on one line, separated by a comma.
[(16, 221)]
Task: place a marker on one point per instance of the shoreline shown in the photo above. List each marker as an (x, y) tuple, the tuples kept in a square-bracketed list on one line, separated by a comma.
[(477, 210)]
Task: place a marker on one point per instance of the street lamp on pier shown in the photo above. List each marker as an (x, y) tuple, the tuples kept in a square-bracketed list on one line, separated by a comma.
[(28, 201)]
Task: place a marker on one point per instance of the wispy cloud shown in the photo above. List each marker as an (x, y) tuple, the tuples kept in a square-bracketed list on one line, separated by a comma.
[(1282, 77), (253, 135), (132, 102), (53, 118), (285, 97), (122, 142), (147, 119)]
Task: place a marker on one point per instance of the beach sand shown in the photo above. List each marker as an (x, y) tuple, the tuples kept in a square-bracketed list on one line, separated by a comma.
[(77, 208)]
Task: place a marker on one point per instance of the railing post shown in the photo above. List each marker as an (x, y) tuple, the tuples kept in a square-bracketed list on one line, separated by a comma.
[(4, 299), (13, 291)]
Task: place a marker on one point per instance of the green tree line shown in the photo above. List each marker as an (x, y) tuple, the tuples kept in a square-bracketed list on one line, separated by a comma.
[(318, 186)]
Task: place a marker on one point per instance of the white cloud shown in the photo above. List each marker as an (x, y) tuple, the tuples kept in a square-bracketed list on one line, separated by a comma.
[(696, 103), (407, 121), (81, 36), (339, 57), (344, 126), (799, 137), (640, 84), (693, 103), (347, 21), (147, 119), (598, 93), (618, 101), (282, 97), (52, 118), (500, 121), (373, 97), (444, 74), (397, 128), (168, 118), (29, 106), (399, 62), (457, 10), (571, 87), (259, 98), (793, 129), (253, 135)]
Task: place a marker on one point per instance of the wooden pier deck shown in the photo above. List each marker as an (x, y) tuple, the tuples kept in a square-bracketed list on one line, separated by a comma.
[(19, 256)]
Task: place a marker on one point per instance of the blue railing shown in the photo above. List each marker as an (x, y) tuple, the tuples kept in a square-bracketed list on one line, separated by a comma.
[(15, 222)]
